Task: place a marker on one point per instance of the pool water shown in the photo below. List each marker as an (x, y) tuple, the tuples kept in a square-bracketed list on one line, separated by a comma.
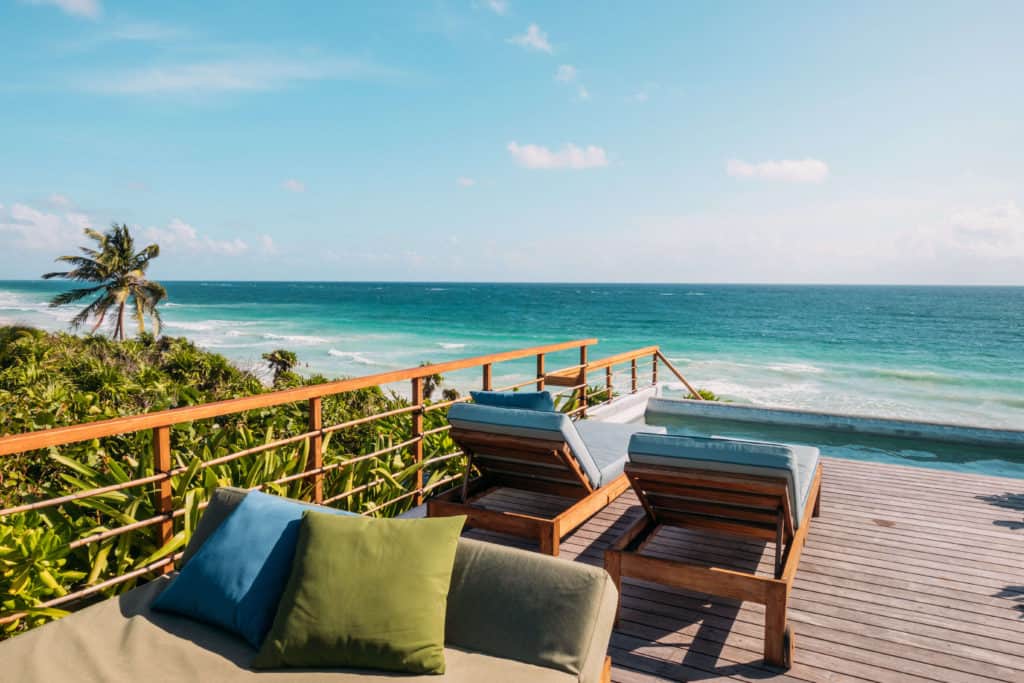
[(958, 457)]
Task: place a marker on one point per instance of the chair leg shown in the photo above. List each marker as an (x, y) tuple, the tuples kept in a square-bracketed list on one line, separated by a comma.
[(613, 565), (549, 540), (817, 505), (778, 639)]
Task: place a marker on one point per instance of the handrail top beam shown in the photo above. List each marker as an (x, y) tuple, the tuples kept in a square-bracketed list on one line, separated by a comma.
[(44, 438)]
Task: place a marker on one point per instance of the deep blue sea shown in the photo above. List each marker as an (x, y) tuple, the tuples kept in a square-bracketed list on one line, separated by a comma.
[(931, 353)]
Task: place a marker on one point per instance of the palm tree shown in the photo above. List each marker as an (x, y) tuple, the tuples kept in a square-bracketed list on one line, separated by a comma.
[(118, 274), (281, 362)]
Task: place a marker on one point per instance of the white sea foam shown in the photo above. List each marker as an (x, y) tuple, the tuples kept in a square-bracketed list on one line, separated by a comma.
[(295, 338), (797, 368), (451, 345), (353, 356)]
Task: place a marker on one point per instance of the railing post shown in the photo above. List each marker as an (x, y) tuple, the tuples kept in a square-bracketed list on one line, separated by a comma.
[(654, 369), (487, 377), (583, 381), (315, 461), (540, 372), (165, 492), (632, 370), (417, 433)]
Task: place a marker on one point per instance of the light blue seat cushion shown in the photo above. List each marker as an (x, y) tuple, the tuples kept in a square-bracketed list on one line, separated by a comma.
[(235, 579), (795, 464), (527, 400), (599, 447), (608, 444)]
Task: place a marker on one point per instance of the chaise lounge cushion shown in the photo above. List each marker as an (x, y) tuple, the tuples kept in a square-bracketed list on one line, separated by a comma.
[(608, 443), (599, 448), (526, 400), (795, 464)]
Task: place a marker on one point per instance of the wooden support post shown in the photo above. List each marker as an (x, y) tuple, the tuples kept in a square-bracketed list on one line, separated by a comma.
[(540, 372), (488, 384), (165, 493), (778, 640), (417, 433), (632, 370), (654, 369), (582, 392), (608, 383), (316, 448)]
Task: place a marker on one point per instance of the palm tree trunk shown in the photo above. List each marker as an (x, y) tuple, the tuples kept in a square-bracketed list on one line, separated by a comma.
[(120, 321)]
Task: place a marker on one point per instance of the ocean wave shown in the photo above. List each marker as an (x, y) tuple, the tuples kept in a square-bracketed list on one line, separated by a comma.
[(922, 376), (191, 327), (797, 368), (353, 356), (451, 345), (695, 294), (295, 338)]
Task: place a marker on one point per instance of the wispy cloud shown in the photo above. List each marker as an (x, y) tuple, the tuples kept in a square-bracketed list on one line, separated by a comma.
[(77, 8), (463, 181), (293, 185), (569, 74), (497, 6), (179, 235), (566, 73), (534, 39), (234, 75), (785, 170), (570, 156), (32, 228)]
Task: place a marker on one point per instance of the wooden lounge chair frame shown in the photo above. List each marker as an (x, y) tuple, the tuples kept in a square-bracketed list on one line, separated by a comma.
[(737, 504), (529, 464)]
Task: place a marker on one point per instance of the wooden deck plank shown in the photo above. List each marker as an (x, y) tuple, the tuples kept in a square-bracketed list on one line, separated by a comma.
[(910, 574)]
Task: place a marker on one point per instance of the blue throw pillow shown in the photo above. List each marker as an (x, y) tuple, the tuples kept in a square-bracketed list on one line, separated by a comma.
[(236, 577), (524, 400)]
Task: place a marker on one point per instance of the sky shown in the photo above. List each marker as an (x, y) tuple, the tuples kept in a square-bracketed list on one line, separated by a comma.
[(505, 140)]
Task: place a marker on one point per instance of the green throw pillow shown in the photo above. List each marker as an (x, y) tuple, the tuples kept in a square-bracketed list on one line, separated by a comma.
[(365, 593)]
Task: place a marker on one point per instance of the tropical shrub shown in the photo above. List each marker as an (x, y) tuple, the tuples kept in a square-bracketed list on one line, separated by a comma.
[(49, 380)]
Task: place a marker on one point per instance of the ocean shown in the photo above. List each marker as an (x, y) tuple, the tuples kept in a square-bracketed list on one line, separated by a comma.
[(953, 354)]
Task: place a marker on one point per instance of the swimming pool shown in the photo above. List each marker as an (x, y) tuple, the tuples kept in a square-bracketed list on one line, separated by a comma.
[(1004, 459)]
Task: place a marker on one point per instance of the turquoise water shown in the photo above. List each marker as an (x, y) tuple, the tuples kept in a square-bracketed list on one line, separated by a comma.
[(991, 460), (929, 353)]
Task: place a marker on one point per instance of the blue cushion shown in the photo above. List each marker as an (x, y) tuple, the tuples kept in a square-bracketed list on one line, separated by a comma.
[(526, 400), (795, 464), (608, 444), (236, 577), (529, 424)]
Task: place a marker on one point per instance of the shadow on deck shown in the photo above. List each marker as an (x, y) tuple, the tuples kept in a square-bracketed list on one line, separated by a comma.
[(909, 575)]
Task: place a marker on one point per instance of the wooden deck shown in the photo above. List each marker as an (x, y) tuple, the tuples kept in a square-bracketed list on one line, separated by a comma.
[(910, 574)]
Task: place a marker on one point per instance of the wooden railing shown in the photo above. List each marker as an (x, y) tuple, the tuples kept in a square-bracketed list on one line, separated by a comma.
[(573, 378)]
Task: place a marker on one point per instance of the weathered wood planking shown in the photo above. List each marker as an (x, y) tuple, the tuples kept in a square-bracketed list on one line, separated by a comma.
[(909, 574)]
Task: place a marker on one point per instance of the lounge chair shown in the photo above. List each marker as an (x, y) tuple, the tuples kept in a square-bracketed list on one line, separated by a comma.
[(749, 489), (511, 616), (541, 452)]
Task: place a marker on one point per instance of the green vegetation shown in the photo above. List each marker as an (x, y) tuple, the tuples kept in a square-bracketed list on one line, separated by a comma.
[(116, 274), (50, 380)]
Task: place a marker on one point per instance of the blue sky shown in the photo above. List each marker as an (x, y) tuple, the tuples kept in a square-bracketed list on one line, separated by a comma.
[(524, 141)]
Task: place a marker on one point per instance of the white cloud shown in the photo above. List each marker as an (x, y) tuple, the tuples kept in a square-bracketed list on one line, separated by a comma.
[(58, 199), (78, 8), (786, 170), (293, 185), (570, 156), (566, 73), (583, 93), (990, 231), (179, 235), (534, 39), (267, 244), (497, 6), (235, 75), (463, 181), (35, 229)]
